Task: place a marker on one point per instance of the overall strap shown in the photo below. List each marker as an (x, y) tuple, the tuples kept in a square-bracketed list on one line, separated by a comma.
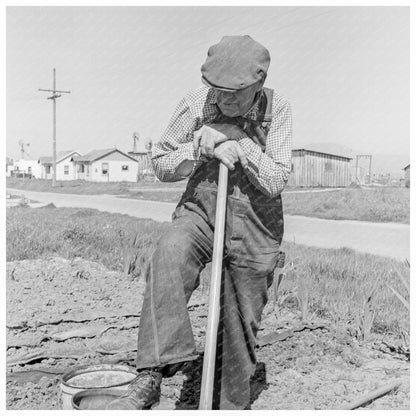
[(266, 106), (260, 126)]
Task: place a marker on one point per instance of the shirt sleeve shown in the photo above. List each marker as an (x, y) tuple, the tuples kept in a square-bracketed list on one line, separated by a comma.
[(269, 170), (176, 145)]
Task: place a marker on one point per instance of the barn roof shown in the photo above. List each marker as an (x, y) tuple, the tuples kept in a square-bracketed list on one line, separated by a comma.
[(98, 154), (321, 153)]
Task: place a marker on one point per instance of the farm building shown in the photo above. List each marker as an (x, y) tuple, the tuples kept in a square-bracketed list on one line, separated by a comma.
[(64, 166), (105, 165), (311, 168), (407, 175), (143, 160)]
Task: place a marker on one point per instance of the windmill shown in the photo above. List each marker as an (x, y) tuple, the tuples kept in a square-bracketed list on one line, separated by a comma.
[(148, 144), (22, 145), (136, 138)]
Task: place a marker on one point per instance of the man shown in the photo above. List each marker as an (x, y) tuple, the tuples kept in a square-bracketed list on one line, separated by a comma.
[(233, 120)]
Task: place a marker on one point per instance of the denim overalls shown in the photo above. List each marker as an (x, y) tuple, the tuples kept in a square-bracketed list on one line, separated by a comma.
[(253, 234)]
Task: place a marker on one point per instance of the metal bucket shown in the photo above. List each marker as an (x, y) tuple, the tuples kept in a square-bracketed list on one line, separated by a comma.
[(94, 399), (93, 377)]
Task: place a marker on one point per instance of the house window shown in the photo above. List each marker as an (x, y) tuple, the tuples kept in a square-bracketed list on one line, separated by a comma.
[(125, 167), (104, 168), (66, 169), (29, 169), (292, 168), (48, 169)]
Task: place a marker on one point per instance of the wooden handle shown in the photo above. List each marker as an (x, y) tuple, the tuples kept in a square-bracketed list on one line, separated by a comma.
[(207, 383), (375, 394)]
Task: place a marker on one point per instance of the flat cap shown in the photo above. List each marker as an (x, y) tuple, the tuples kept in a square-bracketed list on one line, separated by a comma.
[(236, 62)]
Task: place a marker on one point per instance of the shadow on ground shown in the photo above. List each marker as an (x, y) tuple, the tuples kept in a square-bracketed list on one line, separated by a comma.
[(190, 393)]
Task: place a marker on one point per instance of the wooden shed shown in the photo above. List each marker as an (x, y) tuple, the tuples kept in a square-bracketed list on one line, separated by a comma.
[(314, 169)]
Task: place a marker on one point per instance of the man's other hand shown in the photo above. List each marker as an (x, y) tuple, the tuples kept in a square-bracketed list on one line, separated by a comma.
[(210, 135), (206, 138), (229, 153)]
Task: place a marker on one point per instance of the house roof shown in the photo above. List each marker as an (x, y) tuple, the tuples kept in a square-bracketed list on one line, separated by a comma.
[(98, 154), (63, 154), (45, 160), (321, 153)]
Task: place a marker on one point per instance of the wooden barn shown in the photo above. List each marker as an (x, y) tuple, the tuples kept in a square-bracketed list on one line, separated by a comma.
[(314, 169)]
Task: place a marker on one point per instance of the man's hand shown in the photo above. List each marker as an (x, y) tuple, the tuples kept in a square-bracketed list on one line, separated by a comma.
[(206, 138), (210, 135), (229, 153)]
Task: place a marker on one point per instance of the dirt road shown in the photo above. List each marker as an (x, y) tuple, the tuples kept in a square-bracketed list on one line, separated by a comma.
[(384, 239)]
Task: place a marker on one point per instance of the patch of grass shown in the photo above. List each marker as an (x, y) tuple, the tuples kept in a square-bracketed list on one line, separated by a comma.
[(374, 204), (321, 283), (339, 284), (85, 187), (73, 232)]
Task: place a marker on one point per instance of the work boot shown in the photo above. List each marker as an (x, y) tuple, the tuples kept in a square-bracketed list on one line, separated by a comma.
[(142, 393)]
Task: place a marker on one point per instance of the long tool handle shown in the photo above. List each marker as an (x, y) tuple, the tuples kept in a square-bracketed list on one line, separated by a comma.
[(207, 383)]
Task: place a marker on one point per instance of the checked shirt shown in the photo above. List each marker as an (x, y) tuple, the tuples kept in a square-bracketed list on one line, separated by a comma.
[(267, 170)]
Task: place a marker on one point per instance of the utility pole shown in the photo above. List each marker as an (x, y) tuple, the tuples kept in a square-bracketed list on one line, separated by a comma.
[(369, 157), (356, 170), (55, 94)]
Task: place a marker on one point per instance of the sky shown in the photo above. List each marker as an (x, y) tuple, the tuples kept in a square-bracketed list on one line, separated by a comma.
[(345, 70)]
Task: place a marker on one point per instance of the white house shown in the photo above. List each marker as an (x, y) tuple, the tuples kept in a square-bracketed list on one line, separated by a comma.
[(106, 165), (65, 168), (31, 167)]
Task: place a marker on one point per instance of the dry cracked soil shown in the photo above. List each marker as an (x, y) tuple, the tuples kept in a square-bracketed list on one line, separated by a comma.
[(65, 313)]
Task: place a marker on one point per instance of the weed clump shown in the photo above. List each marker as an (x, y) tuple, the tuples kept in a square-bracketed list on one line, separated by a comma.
[(349, 288)]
